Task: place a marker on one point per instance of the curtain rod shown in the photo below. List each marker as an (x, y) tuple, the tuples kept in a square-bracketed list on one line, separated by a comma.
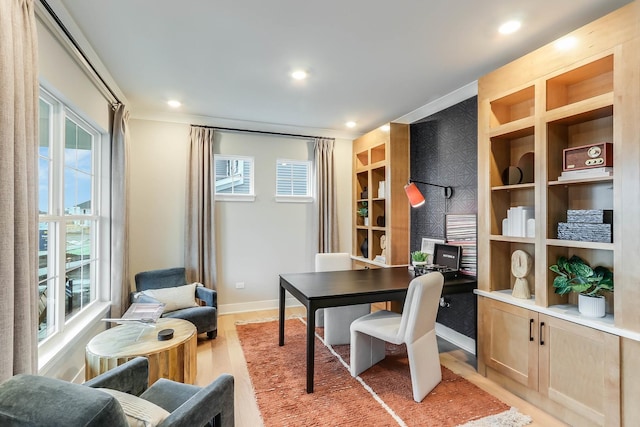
[(293, 135), (75, 44)]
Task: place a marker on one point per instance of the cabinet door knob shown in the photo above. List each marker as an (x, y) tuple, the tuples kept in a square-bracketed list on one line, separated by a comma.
[(541, 336), (531, 329)]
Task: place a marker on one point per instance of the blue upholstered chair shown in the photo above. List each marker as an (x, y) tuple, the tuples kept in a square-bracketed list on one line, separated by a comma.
[(32, 400), (204, 317)]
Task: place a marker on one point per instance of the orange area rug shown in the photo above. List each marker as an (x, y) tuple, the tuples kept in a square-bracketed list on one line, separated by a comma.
[(380, 396)]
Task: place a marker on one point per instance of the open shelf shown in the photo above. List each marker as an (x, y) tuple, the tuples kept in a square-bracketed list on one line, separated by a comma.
[(387, 158), (513, 107), (378, 154), (584, 181), (500, 271), (362, 160), (579, 84), (514, 187), (578, 111)]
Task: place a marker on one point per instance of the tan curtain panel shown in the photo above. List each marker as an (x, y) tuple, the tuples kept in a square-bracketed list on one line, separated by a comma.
[(326, 196), (120, 286), (18, 188), (200, 240)]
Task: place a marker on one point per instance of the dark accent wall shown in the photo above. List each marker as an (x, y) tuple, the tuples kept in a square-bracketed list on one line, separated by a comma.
[(444, 151)]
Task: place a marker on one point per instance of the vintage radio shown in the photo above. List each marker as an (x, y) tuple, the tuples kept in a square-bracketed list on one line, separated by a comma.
[(588, 156)]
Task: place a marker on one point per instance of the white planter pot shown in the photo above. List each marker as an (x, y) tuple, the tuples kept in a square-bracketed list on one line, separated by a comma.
[(591, 306), (366, 221)]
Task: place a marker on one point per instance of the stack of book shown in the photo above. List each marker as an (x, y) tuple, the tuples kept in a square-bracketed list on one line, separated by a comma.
[(586, 173), (520, 222), (461, 231)]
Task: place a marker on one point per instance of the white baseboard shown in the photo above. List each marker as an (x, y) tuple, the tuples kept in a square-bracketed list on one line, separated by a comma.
[(256, 306), (456, 338)]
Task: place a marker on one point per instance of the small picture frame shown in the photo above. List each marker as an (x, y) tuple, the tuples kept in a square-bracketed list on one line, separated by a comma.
[(428, 246)]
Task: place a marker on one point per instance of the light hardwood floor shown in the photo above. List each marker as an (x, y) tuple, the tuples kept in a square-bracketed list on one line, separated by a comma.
[(224, 355)]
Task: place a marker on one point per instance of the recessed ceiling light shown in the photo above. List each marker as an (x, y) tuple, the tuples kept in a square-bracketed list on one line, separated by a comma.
[(566, 43), (299, 74), (350, 124), (509, 27), (173, 103), (385, 128)]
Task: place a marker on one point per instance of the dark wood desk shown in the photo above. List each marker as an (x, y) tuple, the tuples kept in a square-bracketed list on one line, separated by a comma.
[(350, 287)]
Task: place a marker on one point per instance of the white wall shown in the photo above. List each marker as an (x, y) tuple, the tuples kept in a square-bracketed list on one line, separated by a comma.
[(256, 241), (157, 168), (61, 74)]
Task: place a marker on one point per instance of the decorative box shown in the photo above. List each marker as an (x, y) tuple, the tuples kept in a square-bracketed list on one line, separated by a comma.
[(585, 232), (592, 216)]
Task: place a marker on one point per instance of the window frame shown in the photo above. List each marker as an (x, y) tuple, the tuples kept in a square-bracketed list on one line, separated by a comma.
[(67, 330), (235, 197), (294, 198)]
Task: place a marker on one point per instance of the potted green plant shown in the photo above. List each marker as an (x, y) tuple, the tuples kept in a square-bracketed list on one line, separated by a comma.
[(574, 275), (363, 211), (419, 258)]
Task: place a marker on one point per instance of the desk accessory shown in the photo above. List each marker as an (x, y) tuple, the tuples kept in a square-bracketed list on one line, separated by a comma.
[(165, 335)]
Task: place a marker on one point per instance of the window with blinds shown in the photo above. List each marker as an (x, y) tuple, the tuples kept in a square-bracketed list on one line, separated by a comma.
[(293, 181)]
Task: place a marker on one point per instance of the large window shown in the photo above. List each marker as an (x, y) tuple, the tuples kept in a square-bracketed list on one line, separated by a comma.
[(69, 201)]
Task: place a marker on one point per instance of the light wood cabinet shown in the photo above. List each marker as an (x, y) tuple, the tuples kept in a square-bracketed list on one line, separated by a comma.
[(539, 105), (509, 342), (573, 366), (579, 369), (630, 381), (381, 156)]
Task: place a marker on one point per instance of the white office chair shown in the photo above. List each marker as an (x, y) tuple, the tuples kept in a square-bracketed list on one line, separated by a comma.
[(415, 328), (336, 320)]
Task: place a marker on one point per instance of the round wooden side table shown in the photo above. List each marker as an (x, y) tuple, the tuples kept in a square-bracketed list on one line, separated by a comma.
[(174, 359)]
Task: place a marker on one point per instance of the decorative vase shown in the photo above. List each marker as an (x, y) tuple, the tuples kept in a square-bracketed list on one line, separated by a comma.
[(591, 306), (364, 248), (380, 221)]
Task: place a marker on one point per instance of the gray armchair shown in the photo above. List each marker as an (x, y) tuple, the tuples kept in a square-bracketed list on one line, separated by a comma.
[(204, 317), (32, 400)]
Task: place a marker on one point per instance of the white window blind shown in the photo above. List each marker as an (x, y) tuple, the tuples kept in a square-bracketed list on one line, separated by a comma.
[(293, 180)]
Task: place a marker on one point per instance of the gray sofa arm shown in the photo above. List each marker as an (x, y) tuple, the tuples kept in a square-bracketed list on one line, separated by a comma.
[(208, 296), (214, 401), (131, 377)]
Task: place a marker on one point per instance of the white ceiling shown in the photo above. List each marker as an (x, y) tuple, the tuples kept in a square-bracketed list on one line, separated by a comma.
[(370, 61)]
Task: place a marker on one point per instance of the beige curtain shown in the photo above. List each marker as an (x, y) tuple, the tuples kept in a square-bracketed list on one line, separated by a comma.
[(18, 190), (325, 181), (120, 287), (200, 241)]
